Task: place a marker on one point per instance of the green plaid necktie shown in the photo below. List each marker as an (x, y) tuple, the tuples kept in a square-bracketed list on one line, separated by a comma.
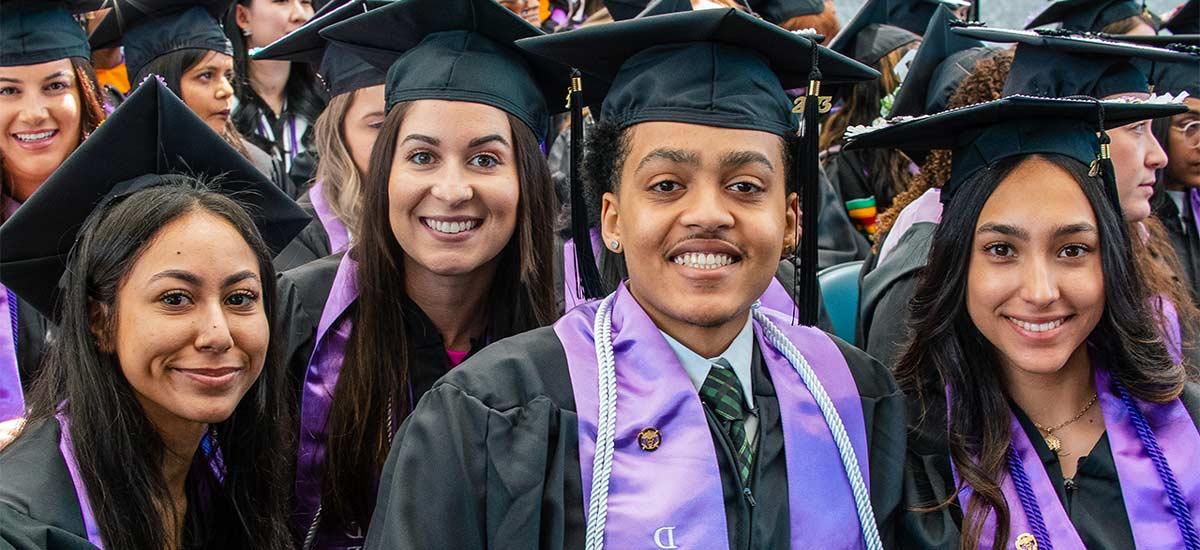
[(723, 394)]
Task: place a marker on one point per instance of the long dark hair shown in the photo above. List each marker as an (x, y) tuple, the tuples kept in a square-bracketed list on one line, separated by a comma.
[(171, 67), (120, 452), (305, 96), (950, 352), (375, 370)]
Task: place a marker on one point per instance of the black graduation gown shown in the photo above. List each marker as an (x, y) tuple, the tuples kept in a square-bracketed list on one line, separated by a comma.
[(310, 244), (490, 457), (38, 504), (1186, 241), (1094, 502), (848, 172), (886, 292), (303, 292), (838, 241), (33, 333)]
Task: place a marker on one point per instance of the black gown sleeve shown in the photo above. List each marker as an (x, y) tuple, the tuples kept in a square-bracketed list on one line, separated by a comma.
[(302, 295), (310, 244), (489, 458), (33, 332), (838, 241), (887, 293), (38, 505)]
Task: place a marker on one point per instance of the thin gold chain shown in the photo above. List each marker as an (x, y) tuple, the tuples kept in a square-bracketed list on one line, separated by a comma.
[(1086, 408)]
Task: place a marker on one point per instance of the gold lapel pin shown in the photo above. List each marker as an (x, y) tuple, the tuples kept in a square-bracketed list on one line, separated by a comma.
[(649, 439)]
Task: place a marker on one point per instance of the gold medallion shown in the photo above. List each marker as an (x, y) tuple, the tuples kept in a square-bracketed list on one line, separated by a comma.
[(1054, 443), (649, 439), (1026, 541)]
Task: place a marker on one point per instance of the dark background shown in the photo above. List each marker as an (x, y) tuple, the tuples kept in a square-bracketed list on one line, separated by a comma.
[(1003, 13)]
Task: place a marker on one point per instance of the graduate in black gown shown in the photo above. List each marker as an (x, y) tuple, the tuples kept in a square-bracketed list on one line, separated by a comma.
[(160, 420), (667, 414), (454, 251), (51, 104), (1180, 138), (344, 133), (866, 181), (1069, 424), (1044, 66)]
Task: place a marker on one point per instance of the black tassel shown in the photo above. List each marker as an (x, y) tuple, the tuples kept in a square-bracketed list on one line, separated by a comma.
[(585, 257), (806, 164)]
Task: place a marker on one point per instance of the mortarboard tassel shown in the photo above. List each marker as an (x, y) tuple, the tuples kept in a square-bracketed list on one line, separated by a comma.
[(1103, 166), (585, 258), (805, 169)]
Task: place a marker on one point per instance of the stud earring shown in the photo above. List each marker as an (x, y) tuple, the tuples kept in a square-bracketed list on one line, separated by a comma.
[(614, 245), (246, 33)]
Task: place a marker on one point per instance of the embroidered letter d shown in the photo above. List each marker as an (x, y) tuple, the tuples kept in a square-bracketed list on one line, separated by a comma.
[(667, 533)]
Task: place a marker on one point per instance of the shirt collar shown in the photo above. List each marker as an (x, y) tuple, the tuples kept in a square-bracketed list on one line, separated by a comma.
[(739, 355)]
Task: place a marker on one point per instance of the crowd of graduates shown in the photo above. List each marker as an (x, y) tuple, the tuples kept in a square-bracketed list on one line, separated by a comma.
[(480, 274)]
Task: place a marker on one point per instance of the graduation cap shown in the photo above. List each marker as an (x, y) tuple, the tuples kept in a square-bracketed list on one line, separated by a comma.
[(148, 29), (1185, 19), (747, 64), (1061, 64), (914, 15), (982, 134), (1178, 76), (1156, 40), (1087, 15), (943, 60), (340, 69), (151, 134), (40, 31), (869, 35), (779, 11), (621, 10), (456, 50)]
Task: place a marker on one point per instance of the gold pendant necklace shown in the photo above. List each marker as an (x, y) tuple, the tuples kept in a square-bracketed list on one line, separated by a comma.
[(1052, 441)]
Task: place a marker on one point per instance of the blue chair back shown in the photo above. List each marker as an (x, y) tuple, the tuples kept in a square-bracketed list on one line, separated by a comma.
[(839, 290)]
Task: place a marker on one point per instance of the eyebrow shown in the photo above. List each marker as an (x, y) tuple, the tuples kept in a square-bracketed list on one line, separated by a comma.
[(488, 139), (191, 278), (1019, 233), (424, 138), (678, 156), (736, 159), (1071, 229), (59, 74)]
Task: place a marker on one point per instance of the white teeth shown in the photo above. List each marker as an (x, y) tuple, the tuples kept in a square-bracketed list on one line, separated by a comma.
[(34, 137), (1037, 327), (700, 260), (451, 228)]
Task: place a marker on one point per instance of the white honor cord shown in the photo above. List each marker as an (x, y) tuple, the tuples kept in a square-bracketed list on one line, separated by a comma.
[(607, 422)]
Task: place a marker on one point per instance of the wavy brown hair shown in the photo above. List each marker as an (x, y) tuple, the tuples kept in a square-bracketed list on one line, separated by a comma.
[(861, 107), (952, 354), (375, 369), (985, 83), (341, 182), (1126, 25), (825, 23)]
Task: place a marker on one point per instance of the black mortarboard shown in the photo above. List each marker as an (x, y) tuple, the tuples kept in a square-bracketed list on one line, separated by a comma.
[(914, 15), (40, 31), (1086, 15), (152, 133), (982, 134), (1178, 76), (621, 10), (342, 70), (1057, 64), (943, 60), (779, 11), (457, 50), (654, 64), (1156, 40), (869, 35), (1185, 19), (148, 29)]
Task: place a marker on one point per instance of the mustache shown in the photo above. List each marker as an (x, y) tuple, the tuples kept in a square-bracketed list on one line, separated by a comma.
[(709, 236)]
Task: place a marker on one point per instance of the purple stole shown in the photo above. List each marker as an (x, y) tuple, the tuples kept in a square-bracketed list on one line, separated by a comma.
[(672, 496), (12, 397), (339, 236), (85, 507), (333, 332), (1146, 503), (926, 209)]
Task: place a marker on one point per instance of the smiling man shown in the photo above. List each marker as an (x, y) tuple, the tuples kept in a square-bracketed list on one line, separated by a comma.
[(673, 413)]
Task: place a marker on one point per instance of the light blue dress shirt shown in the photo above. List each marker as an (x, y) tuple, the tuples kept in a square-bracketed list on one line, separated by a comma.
[(738, 356)]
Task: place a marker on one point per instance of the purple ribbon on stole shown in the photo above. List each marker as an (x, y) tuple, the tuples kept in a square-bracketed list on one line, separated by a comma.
[(1146, 503), (333, 332), (926, 209), (672, 496), (12, 397), (339, 236), (85, 506), (572, 292)]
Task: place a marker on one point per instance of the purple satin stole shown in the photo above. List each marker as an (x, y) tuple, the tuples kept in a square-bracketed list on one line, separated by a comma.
[(85, 507), (333, 332), (1194, 204), (926, 209), (12, 397), (339, 236), (1168, 326), (672, 496), (1146, 504), (572, 291)]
